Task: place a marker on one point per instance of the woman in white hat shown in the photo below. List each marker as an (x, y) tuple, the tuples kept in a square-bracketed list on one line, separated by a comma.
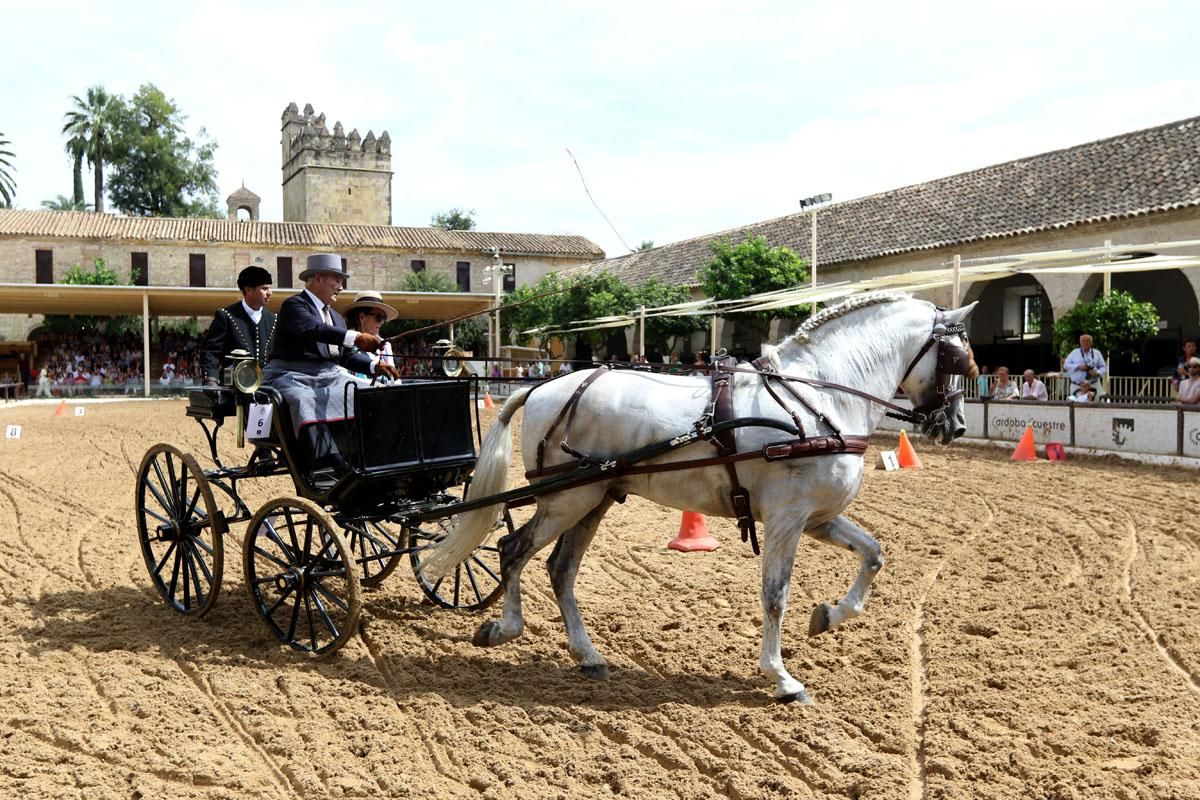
[(367, 314)]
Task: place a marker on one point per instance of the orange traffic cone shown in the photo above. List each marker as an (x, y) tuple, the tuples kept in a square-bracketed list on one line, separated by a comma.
[(487, 401), (1026, 450), (61, 411), (693, 535), (905, 453)]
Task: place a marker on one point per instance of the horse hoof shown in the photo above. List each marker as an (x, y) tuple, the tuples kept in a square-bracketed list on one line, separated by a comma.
[(800, 697), (595, 672), (819, 621), (488, 635)]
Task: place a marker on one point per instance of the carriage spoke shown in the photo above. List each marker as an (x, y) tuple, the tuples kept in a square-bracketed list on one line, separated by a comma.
[(486, 568), (196, 540), (308, 528), (170, 487), (312, 634), (174, 574), (291, 632), (157, 516), (166, 555), (331, 597), (283, 596), (162, 501), (200, 560), (471, 580), (191, 507), (192, 559), (187, 602), (325, 615), (270, 557), (273, 535), (291, 527)]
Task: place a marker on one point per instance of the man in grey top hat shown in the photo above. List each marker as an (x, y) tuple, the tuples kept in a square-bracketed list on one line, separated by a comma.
[(311, 341)]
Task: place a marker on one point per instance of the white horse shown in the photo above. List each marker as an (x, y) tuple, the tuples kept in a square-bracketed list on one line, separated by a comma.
[(868, 343)]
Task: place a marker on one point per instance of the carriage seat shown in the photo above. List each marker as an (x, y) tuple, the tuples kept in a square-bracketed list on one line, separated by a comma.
[(211, 402)]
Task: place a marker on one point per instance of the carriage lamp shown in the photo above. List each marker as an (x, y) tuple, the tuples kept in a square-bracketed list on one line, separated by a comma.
[(449, 357), (245, 376)]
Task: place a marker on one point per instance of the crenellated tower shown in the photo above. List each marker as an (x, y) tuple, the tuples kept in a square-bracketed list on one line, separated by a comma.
[(329, 176)]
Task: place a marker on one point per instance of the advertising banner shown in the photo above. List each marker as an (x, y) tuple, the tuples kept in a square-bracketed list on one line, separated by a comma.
[(1127, 430), (1191, 433), (1009, 420)]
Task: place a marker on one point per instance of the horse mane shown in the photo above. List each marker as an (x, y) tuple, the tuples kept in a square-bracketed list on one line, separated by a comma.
[(801, 336)]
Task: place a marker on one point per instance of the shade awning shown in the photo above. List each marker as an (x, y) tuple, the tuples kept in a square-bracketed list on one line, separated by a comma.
[(183, 301)]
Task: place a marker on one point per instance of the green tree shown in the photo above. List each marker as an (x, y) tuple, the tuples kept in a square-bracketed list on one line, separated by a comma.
[(469, 334), (91, 125), (1118, 325), (8, 188), (647, 244), (456, 219), (592, 296), (77, 150), (63, 203), (662, 333), (99, 275), (751, 267), (158, 170)]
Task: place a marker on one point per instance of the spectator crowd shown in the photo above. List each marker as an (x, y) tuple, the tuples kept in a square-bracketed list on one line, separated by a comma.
[(89, 363)]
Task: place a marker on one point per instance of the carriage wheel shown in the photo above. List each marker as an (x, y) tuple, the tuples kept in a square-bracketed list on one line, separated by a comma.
[(475, 583), (301, 575), (374, 541), (180, 529)]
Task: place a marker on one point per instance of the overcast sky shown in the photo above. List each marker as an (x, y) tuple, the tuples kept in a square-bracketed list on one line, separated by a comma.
[(686, 118)]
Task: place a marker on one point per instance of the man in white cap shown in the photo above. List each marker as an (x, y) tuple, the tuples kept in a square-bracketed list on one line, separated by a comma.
[(311, 341)]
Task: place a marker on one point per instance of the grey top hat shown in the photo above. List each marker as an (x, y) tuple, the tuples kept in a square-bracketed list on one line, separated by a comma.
[(323, 262)]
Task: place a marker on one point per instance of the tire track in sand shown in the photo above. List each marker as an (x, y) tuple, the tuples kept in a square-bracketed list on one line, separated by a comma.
[(1174, 660), (282, 780), (919, 656)]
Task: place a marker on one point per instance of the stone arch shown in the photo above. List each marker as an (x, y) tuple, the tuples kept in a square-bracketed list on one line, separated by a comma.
[(1002, 333), (1174, 297)]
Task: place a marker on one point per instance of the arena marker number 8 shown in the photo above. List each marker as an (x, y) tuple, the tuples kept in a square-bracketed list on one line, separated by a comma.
[(12, 432)]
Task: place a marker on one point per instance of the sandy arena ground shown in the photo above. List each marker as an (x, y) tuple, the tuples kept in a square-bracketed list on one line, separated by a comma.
[(1014, 647)]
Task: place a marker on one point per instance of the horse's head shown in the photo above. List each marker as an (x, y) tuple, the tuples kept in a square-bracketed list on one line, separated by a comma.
[(934, 378)]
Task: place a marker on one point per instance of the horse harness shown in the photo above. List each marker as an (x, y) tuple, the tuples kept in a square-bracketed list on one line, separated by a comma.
[(717, 424)]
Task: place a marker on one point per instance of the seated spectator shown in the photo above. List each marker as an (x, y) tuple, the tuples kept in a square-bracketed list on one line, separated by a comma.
[(1085, 393), (564, 367), (1181, 368), (1032, 388), (1189, 387), (1004, 389)]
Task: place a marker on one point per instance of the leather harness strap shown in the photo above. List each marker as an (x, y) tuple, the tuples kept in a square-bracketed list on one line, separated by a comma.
[(568, 411)]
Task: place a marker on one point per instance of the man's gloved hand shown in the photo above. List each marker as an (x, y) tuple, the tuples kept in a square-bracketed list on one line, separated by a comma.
[(368, 342), (388, 370)]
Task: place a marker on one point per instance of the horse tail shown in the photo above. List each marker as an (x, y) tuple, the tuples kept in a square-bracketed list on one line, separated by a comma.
[(490, 477)]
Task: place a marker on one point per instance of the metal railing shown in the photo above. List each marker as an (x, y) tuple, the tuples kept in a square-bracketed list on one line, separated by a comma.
[(1121, 388)]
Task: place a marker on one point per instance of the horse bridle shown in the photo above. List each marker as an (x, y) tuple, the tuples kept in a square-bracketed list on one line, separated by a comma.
[(951, 360)]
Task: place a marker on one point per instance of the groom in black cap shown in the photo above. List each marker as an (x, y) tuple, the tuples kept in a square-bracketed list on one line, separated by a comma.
[(311, 341), (246, 325)]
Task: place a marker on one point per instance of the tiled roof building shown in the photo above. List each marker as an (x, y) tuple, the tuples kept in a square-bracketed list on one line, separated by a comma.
[(1132, 175)]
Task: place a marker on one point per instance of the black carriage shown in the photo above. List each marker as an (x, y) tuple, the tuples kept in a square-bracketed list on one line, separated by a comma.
[(408, 451)]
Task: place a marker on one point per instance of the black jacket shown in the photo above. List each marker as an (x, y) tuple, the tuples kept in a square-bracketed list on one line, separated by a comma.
[(301, 328), (232, 329)]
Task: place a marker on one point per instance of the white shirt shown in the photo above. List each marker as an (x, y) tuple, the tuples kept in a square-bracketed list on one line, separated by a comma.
[(1034, 391), (255, 316)]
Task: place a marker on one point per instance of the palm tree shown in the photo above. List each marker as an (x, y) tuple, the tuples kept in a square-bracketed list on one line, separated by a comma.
[(77, 150), (8, 189), (91, 125), (64, 203)]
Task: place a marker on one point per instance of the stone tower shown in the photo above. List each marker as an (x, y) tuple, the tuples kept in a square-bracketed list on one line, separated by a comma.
[(334, 177)]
